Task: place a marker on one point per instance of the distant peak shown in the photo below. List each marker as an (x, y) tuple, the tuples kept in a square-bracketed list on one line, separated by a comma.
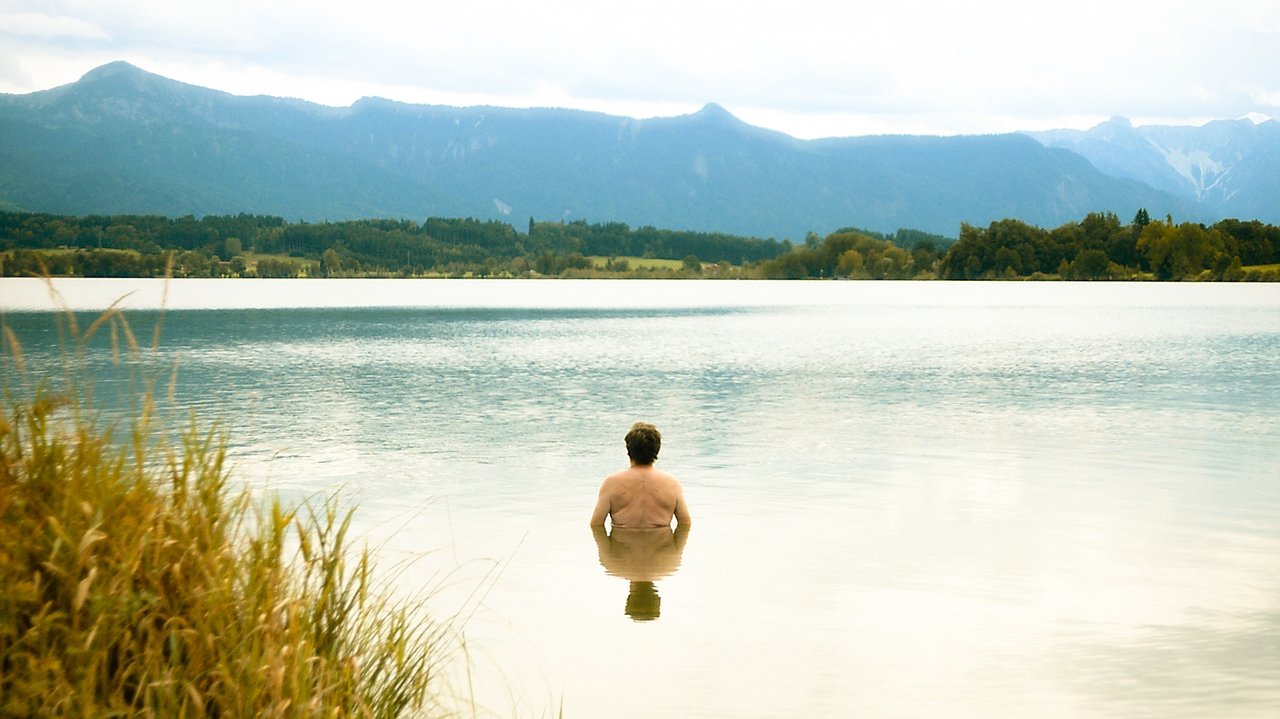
[(1116, 126), (1256, 118), (372, 101), (713, 111), (119, 68)]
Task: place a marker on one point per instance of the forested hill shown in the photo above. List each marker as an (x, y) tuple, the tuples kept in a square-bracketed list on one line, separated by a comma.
[(123, 141)]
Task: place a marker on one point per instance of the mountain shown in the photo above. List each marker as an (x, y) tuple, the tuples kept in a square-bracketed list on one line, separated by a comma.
[(121, 140), (1230, 168)]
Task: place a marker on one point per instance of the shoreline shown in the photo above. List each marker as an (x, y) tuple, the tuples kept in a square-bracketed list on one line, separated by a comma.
[(26, 294)]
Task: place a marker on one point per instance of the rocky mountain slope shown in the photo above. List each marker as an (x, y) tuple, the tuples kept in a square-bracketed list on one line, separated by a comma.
[(1229, 168)]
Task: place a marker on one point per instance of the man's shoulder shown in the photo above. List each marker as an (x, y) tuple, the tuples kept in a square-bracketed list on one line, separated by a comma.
[(665, 475), (615, 482)]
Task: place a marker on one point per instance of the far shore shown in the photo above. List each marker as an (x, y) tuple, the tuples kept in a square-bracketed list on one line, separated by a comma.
[(29, 294)]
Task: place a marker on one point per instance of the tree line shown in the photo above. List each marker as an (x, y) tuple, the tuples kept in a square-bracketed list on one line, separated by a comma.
[(265, 246), (859, 254), (1098, 247)]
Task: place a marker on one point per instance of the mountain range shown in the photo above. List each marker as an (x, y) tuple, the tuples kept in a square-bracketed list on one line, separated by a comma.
[(1229, 168), (124, 141)]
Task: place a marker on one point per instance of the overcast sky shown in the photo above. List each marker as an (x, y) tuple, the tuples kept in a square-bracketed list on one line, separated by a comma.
[(810, 69)]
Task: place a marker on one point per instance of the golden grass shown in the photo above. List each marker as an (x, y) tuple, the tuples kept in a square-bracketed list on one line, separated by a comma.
[(135, 581)]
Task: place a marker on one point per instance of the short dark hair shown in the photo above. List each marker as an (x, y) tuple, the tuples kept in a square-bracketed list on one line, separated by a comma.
[(643, 443)]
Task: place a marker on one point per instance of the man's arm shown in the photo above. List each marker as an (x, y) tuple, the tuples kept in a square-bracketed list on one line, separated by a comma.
[(602, 506), (682, 511)]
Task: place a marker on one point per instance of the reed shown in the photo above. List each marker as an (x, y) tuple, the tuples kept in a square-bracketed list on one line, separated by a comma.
[(137, 580)]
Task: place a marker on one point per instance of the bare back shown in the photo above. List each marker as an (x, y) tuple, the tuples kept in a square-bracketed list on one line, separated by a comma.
[(641, 496)]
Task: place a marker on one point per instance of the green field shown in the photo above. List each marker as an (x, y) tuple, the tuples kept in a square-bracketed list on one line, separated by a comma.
[(252, 258), (636, 263)]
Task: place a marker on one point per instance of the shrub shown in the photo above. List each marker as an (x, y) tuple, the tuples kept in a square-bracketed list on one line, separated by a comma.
[(137, 581)]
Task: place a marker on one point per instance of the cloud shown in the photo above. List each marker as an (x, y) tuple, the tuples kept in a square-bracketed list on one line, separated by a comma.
[(48, 27), (1264, 97)]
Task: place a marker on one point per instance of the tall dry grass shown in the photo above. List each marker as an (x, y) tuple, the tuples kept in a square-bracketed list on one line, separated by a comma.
[(136, 580)]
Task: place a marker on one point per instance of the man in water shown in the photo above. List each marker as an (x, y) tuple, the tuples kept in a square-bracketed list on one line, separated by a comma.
[(641, 495)]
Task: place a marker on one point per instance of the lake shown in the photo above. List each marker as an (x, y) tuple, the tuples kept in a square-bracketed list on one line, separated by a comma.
[(910, 498)]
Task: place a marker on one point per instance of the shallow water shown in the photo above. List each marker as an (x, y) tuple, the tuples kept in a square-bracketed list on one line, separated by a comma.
[(910, 499)]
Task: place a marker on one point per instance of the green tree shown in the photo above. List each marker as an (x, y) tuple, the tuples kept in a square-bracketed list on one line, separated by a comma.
[(1181, 251), (1091, 264), (1008, 260), (330, 263), (851, 264), (972, 268)]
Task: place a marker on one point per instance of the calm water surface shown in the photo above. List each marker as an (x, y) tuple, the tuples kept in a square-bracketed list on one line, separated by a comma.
[(910, 499)]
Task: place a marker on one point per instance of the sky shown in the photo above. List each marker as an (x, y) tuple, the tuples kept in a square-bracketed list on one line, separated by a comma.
[(809, 69)]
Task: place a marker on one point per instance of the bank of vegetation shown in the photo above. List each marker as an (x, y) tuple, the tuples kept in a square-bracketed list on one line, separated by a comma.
[(261, 246), (1098, 247), (137, 581)]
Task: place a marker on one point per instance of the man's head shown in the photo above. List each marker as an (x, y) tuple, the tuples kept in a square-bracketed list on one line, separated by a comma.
[(643, 443)]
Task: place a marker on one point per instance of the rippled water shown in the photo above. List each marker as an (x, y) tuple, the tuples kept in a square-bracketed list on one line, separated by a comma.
[(910, 499)]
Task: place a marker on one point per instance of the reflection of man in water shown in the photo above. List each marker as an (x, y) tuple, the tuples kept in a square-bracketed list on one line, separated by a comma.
[(642, 556), (641, 495)]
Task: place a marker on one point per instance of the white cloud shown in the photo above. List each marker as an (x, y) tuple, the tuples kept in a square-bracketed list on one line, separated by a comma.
[(1265, 97), (48, 27)]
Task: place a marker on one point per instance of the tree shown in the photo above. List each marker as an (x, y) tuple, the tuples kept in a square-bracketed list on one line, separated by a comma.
[(1090, 264), (1008, 258), (330, 263), (271, 267), (1254, 242), (1181, 251), (972, 268), (851, 264)]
